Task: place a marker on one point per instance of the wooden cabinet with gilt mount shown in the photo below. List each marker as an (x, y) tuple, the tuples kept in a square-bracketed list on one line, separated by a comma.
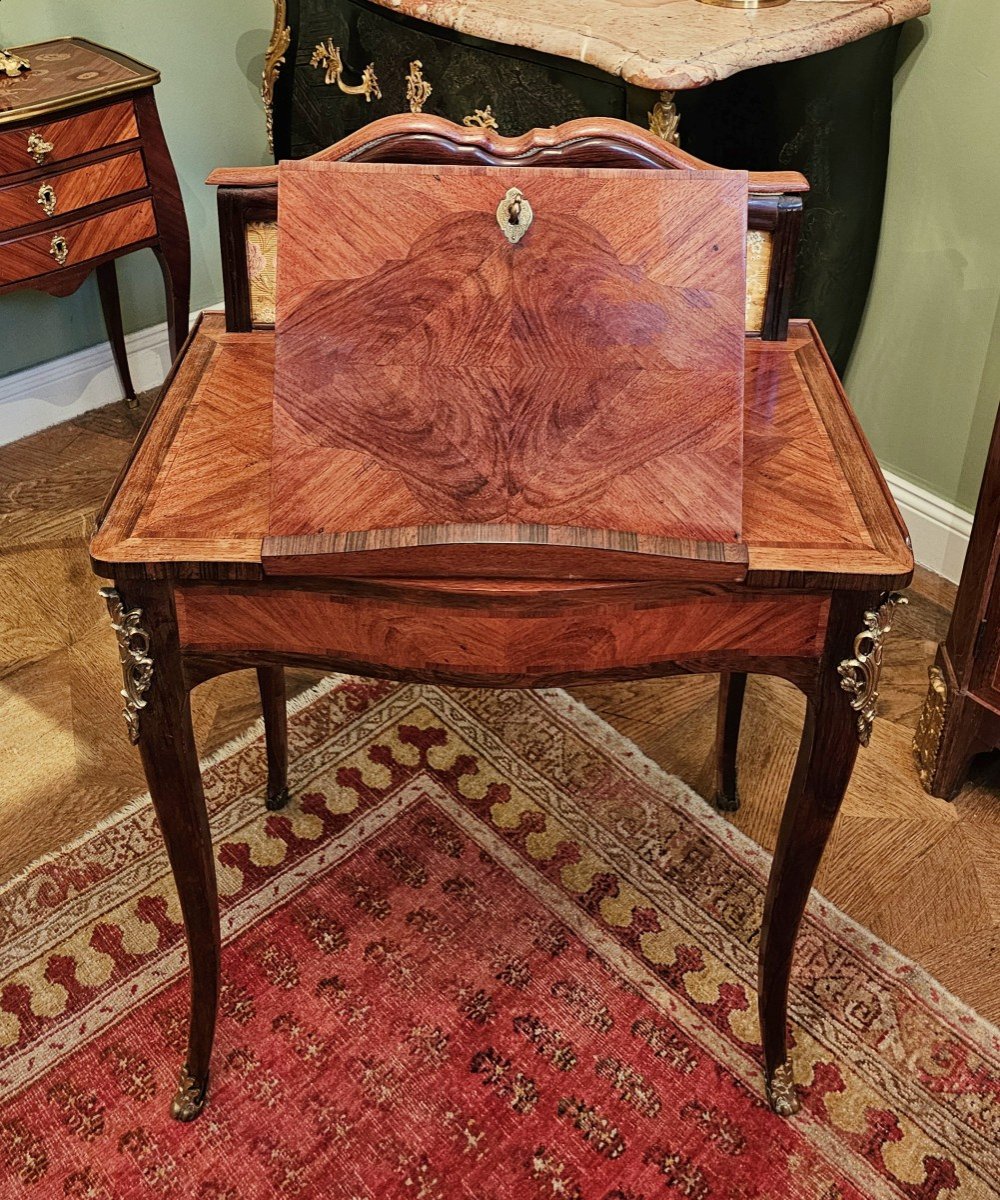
[(86, 177), (961, 715)]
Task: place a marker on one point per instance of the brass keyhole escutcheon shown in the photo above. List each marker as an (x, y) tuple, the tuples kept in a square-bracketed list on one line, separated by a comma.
[(514, 215), (47, 198), (59, 249)]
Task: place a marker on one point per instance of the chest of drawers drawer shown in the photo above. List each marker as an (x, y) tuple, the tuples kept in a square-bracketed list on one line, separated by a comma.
[(59, 193), (71, 243), (40, 145)]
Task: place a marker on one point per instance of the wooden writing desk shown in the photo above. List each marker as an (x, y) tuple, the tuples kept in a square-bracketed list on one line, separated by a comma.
[(804, 597)]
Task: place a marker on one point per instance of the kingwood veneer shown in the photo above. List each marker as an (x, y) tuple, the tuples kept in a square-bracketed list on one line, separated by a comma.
[(803, 596), (86, 177)]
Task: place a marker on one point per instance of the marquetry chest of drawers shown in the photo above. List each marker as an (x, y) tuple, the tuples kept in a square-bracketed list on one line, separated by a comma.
[(86, 177)]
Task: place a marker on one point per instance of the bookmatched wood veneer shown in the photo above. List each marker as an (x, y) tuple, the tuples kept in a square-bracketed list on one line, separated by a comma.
[(550, 402), (69, 138), (86, 239), (248, 199), (556, 637)]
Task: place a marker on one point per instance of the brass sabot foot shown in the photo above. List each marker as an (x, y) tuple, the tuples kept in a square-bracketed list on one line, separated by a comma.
[(190, 1097), (781, 1091)]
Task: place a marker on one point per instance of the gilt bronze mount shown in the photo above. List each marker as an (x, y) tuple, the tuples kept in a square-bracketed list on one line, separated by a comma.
[(189, 1099), (12, 64), (133, 652), (780, 1088), (930, 727), (277, 47), (327, 57), (481, 118), (665, 120), (859, 676), (418, 90)]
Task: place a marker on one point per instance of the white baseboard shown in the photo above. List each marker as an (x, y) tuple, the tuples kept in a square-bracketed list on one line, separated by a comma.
[(66, 387), (939, 530)]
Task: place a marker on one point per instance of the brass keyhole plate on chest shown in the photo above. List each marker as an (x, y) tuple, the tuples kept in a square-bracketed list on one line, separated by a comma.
[(514, 215)]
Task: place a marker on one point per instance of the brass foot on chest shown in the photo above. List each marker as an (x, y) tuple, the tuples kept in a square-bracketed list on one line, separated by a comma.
[(930, 727), (780, 1089), (190, 1097)]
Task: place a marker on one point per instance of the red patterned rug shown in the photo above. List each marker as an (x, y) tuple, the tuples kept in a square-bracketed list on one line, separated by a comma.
[(490, 953)]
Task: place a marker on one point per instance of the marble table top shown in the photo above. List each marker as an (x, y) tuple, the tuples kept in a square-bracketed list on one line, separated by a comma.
[(665, 44)]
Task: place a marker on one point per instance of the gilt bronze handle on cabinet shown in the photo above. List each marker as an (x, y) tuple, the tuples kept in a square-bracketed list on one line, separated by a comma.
[(47, 199), (39, 148), (418, 90), (59, 249), (327, 55)]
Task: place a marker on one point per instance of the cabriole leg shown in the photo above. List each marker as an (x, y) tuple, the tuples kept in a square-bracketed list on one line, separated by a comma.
[(732, 690), (158, 714), (272, 697), (838, 720), (107, 286)]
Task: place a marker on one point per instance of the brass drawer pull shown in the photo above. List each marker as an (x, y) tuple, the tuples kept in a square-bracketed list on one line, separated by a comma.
[(327, 55), (47, 199), (38, 147), (482, 118), (418, 90), (59, 249)]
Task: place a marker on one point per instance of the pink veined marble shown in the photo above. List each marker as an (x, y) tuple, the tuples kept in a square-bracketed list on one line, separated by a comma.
[(666, 44)]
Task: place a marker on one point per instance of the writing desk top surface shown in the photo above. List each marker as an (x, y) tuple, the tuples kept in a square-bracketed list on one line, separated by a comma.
[(193, 501)]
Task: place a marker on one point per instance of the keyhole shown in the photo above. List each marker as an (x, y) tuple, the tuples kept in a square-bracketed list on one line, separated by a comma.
[(514, 215)]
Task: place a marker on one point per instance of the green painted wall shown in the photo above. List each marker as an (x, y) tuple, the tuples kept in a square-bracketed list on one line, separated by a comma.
[(925, 373), (210, 54)]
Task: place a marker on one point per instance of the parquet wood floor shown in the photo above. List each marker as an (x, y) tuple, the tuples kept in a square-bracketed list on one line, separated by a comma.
[(921, 873)]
